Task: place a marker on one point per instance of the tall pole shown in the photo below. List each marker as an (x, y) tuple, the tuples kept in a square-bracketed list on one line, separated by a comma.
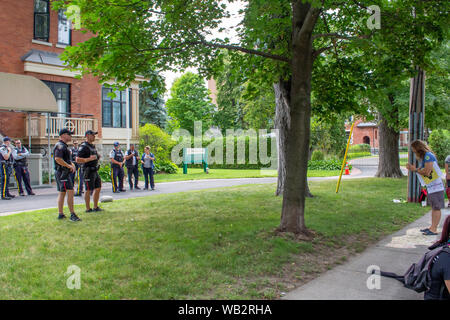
[(49, 155), (345, 157), (127, 117), (416, 128), (29, 132)]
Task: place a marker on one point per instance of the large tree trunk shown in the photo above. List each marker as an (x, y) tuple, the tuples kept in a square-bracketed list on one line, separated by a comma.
[(282, 91), (389, 163), (295, 138)]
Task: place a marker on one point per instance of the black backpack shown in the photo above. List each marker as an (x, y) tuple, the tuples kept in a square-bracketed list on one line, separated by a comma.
[(418, 276)]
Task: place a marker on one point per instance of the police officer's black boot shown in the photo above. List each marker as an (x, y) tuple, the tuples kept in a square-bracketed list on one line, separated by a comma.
[(6, 198), (74, 217)]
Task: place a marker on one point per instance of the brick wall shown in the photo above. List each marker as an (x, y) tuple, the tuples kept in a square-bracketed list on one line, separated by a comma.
[(360, 133), (16, 32)]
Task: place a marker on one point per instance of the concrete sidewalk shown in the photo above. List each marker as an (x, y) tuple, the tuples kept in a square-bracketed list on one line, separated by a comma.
[(393, 254)]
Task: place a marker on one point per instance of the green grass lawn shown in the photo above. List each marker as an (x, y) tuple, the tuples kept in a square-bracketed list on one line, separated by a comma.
[(217, 243), (198, 174)]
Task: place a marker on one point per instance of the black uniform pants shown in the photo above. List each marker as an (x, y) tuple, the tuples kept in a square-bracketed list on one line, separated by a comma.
[(117, 173), (5, 172), (22, 173), (133, 171)]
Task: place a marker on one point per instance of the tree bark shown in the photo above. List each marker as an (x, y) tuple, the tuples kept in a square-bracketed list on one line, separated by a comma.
[(389, 162), (282, 119), (296, 132)]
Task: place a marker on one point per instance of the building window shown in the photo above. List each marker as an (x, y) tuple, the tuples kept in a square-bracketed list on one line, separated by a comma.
[(62, 95), (114, 110), (64, 31), (131, 108), (41, 20)]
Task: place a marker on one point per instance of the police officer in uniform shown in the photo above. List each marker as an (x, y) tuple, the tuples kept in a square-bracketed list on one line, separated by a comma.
[(117, 160), (63, 168), (6, 162), (20, 154), (132, 162), (77, 173), (88, 157)]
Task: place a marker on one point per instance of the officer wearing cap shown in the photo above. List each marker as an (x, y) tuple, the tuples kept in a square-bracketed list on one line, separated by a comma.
[(6, 162), (88, 157), (117, 160), (74, 150), (63, 168), (132, 164), (21, 173)]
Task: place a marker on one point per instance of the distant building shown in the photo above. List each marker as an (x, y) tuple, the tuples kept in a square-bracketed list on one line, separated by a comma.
[(367, 132), (212, 86)]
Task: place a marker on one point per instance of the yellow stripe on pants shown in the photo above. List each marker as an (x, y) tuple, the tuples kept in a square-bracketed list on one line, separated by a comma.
[(78, 176), (17, 181), (112, 180), (4, 182)]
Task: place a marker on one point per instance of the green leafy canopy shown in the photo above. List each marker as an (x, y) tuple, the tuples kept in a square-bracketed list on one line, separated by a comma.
[(189, 102)]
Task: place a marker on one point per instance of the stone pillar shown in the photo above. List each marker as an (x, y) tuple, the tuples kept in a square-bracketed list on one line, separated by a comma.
[(35, 168)]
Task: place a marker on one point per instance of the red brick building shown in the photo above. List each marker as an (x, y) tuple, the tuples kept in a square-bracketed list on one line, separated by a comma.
[(367, 132), (32, 38)]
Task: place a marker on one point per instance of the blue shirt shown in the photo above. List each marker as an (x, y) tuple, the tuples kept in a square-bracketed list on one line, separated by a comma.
[(429, 157)]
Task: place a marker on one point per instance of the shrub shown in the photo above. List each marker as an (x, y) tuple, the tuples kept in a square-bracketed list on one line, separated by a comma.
[(317, 155), (160, 142), (439, 141), (166, 166), (354, 155), (363, 147), (237, 141), (105, 172), (324, 165)]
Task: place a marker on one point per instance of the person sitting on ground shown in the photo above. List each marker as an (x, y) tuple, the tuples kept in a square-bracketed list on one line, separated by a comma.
[(430, 175), (440, 269)]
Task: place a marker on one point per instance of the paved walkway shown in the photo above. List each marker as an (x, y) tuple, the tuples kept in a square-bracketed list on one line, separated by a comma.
[(46, 197), (394, 254)]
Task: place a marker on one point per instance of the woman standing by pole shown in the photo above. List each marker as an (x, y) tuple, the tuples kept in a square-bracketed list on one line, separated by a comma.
[(429, 175)]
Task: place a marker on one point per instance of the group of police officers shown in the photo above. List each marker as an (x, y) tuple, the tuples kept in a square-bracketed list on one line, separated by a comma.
[(83, 162), (76, 163), (13, 161)]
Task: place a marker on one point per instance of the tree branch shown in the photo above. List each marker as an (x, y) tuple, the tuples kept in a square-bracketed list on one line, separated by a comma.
[(310, 22), (242, 49), (317, 52), (337, 36), (205, 43)]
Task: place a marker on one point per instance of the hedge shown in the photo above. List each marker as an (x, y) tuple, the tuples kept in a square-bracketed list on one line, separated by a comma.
[(246, 160)]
